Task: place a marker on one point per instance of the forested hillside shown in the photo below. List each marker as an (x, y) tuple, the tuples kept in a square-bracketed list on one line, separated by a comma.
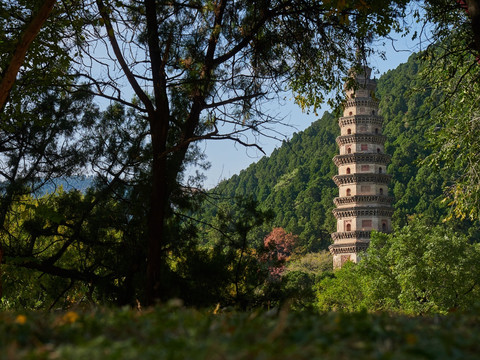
[(296, 180)]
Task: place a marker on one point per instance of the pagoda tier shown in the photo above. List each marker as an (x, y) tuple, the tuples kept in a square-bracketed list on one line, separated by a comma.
[(361, 158), (361, 178), (347, 236), (363, 204), (376, 200), (362, 211), (372, 120), (358, 102), (348, 248), (361, 138)]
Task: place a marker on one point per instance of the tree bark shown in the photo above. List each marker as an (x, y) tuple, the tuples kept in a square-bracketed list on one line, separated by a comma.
[(1, 283), (21, 49), (161, 184), (474, 13), (156, 220)]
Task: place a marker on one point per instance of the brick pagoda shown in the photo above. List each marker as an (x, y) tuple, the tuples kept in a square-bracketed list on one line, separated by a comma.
[(363, 203)]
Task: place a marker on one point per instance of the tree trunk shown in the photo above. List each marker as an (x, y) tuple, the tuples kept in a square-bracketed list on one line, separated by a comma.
[(474, 13), (164, 174), (1, 257), (159, 127), (23, 45), (156, 221)]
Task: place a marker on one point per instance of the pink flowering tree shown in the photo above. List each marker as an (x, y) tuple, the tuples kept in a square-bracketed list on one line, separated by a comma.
[(279, 245)]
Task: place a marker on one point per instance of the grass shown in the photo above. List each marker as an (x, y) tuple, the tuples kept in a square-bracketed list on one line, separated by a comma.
[(174, 332)]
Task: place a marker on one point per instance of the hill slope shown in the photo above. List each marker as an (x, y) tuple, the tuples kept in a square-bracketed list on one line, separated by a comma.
[(295, 181)]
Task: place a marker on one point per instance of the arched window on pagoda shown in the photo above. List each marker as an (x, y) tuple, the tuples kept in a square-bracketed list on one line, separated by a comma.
[(380, 170), (349, 192), (349, 131), (349, 227), (348, 170), (381, 191)]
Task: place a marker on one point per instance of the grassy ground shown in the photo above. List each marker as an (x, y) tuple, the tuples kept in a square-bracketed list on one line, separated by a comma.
[(172, 332)]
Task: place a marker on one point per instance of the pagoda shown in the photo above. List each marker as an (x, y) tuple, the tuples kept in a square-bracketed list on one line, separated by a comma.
[(363, 203)]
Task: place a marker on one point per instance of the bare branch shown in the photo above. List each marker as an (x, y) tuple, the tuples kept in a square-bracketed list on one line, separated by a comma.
[(118, 53), (233, 99)]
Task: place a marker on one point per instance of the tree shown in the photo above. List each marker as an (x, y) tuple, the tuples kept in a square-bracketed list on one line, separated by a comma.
[(199, 67), (69, 248), (463, 14), (39, 116), (279, 245), (436, 268), (227, 268), (34, 150), (455, 136), (301, 275), (345, 291), (452, 65)]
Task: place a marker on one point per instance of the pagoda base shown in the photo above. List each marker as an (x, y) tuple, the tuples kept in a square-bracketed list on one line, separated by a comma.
[(344, 252)]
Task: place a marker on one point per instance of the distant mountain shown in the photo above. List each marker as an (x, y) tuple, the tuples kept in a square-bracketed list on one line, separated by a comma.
[(295, 181), (81, 183)]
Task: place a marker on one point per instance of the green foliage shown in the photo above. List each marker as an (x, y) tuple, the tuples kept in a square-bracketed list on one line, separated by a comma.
[(407, 107), (69, 248), (311, 263), (301, 274), (420, 269), (455, 73), (228, 270), (343, 291), (436, 268), (174, 332)]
